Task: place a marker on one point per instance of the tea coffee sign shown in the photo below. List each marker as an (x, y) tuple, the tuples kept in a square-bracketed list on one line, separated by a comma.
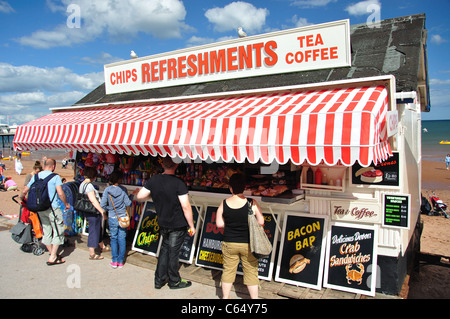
[(355, 212), (351, 260), (314, 47)]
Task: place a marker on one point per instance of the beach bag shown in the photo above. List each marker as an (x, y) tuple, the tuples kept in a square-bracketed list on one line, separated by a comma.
[(83, 203), (260, 245), (21, 233), (38, 199), (124, 222)]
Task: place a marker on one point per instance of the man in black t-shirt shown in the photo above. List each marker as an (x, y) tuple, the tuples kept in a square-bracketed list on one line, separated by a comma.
[(171, 199)]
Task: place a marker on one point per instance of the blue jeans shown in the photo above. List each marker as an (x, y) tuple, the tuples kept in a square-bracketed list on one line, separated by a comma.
[(168, 260), (118, 241)]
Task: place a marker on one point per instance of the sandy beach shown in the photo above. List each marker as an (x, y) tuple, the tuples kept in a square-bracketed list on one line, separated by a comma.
[(436, 236), (8, 206)]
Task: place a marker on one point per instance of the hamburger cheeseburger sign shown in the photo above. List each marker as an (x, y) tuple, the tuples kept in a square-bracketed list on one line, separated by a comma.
[(314, 47)]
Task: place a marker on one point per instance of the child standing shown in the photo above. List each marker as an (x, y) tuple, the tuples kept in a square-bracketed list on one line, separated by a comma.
[(114, 200)]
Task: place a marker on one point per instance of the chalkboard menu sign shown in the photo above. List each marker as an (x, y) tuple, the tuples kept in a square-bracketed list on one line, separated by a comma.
[(147, 236), (302, 250), (265, 265), (351, 260), (386, 173), (146, 239), (396, 209), (209, 252), (187, 249)]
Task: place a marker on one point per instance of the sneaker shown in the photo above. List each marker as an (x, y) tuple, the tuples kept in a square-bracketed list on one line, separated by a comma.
[(119, 265), (181, 284), (159, 286), (114, 265)]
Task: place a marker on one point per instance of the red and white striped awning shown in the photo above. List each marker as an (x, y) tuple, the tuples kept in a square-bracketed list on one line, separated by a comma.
[(334, 125)]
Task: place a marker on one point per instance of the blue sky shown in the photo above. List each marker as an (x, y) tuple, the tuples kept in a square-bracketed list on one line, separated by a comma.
[(49, 60)]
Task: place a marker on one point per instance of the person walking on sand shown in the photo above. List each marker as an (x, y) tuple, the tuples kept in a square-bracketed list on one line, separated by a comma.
[(52, 218), (447, 160), (18, 166), (174, 211), (114, 200), (232, 215)]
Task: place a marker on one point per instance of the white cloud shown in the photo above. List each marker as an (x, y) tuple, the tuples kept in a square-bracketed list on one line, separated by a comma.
[(28, 78), (118, 19), (440, 108), (24, 107), (195, 41), (439, 82), (362, 8), (437, 39), (101, 58), (5, 7), (27, 92), (237, 14), (300, 22), (312, 3)]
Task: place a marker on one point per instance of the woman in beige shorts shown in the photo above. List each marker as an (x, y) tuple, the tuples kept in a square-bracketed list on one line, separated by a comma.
[(232, 215)]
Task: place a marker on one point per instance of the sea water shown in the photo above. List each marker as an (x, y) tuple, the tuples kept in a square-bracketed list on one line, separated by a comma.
[(432, 133)]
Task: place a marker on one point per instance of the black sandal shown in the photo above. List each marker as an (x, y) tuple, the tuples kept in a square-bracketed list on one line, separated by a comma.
[(57, 261)]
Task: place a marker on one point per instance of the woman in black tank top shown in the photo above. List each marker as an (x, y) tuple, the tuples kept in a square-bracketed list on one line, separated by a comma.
[(236, 221), (232, 215)]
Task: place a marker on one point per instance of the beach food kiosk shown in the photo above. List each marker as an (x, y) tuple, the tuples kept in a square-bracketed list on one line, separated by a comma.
[(323, 120)]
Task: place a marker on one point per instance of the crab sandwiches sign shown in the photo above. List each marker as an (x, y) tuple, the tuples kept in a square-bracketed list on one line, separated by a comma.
[(309, 48), (351, 262)]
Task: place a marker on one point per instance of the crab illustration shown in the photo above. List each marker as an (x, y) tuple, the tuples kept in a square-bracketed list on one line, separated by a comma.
[(354, 275)]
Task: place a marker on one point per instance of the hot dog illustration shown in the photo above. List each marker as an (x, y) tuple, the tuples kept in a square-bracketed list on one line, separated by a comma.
[(297, 264)]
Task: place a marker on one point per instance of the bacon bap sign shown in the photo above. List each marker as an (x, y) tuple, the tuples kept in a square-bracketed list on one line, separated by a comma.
[(308, 48)]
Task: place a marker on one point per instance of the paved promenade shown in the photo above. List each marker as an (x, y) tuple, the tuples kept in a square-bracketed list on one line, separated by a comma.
[(24, 275)]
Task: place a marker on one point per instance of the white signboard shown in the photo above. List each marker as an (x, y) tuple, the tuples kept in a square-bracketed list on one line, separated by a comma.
[(392, 122), (313, 47), (355, 212)]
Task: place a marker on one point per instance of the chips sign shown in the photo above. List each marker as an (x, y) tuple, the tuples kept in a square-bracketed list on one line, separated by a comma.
[(313, 47), (147, 238)]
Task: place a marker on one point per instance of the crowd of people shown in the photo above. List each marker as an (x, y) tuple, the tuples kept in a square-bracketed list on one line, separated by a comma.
[(170, 196)]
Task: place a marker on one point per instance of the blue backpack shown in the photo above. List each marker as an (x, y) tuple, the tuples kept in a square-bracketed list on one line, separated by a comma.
[(38, 199)]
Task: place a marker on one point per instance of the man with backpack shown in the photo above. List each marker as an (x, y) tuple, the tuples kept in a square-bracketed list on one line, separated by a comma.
[(42, 199)]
